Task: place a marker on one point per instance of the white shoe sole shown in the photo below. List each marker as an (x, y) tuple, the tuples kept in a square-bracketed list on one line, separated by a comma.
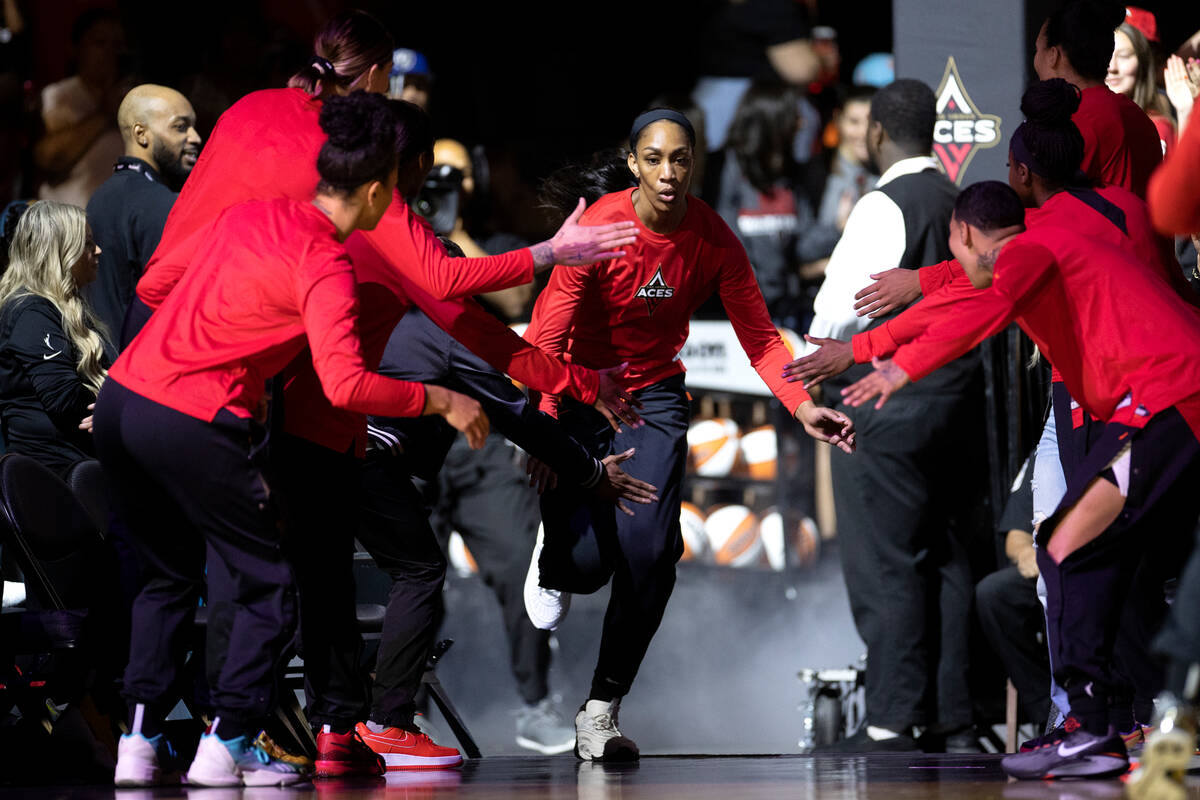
[(543, 615), (404, 761), (545, 749), (266, 777)]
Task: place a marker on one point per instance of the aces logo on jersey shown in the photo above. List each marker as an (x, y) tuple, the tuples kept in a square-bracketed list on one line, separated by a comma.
[(961, 129), (655, 290)]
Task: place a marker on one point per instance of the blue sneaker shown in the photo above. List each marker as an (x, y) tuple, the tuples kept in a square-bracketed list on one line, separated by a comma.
[(239, 762), (145, 761)]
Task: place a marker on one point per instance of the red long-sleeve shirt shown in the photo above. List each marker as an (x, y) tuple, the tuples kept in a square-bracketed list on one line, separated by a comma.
[(1174, 193), (637, 308), (385, 294), (270, 278), (1121, 146), (1112, 327), (946, 283)]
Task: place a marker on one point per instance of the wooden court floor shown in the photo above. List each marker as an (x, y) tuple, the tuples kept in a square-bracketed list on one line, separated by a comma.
[(792, 777)]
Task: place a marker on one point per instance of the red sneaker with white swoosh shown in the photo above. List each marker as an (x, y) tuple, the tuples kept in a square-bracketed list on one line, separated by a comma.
[(403, 749)]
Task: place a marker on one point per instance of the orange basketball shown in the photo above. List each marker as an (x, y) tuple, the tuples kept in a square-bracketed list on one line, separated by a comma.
[(733, 535)]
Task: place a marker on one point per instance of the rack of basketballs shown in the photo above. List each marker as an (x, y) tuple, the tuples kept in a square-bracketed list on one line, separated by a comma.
[(747, 501)]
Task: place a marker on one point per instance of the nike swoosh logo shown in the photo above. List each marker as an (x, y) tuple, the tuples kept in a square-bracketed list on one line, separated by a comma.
[(52, 355), (1067, 752)]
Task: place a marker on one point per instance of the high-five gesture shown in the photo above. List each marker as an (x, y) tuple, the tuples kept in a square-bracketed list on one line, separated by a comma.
[(575, 245), (614, 401), (886, 380), (827, 425), (832, 358)]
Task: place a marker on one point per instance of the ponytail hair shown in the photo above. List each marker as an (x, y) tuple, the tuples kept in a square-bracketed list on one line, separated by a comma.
[(362, 142), (605, 173), (1048, 142), (343, 51), (49, 238)]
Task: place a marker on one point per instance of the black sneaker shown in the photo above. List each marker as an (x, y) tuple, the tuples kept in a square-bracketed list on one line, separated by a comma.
[(1053, 736), (861, 742), (1078, 755)]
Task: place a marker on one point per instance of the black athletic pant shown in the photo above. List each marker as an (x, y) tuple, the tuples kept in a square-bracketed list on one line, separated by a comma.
[(319, 489), (189, 492), (394, 528), (903, 538), (587, 541), (1179, 640), (486, 498), (1091, 594)]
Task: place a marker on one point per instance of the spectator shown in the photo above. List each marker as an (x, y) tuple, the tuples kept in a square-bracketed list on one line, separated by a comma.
[(775, 223), (410, 78), (129, 210), (81, 141), (850, 174), (1133, 72), (52, 359)]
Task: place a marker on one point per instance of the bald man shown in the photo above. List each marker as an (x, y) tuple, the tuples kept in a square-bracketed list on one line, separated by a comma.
[(129, 210)]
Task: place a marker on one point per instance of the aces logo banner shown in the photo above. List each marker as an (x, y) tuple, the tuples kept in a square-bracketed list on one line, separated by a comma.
[(961, 129)]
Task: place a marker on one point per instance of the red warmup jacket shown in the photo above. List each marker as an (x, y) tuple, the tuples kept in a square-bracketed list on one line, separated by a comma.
[(265, 146), (1111, 326), (944, 284), (637, 308), (1175, 188), (270, 279), (1121, 146)]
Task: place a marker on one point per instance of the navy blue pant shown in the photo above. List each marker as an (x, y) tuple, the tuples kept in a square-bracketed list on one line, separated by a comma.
[(190, 494), (587, 541)]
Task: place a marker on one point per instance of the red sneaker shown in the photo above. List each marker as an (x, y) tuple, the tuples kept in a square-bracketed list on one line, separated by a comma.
[(403, 749), (346, 754)]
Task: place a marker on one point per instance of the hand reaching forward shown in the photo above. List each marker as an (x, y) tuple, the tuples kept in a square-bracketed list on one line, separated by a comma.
[(86, 424), (462, 412), (885, 381), (832, 358), (827, 425), (575, 245), (614, 401), (893, 289), (616, 484)]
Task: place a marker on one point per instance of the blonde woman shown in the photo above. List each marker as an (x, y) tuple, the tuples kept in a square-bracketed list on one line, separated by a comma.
[(52, 352)]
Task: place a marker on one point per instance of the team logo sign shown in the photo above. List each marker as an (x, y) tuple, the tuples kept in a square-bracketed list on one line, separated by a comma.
[(961, 129), (655, 291)]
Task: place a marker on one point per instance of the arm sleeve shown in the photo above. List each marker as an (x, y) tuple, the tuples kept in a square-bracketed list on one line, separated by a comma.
[(872, 241), (502, 348), (1019, 270), (329, 307), (553, 315), (47, 357), (406, 241), (760, 339), (521, 423), (936, 276), (1174, 201), (882, 341)]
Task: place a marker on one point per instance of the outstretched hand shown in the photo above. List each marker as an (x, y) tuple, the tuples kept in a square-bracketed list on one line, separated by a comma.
[(575, 245), (616, 484), (832, 358), (886, 380), (614, 401), (827, 425), (541, 477), (893, 289)]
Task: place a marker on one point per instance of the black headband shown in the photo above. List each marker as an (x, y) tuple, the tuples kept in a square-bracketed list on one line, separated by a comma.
[(654, 115), (323, 67), (1020, 152)]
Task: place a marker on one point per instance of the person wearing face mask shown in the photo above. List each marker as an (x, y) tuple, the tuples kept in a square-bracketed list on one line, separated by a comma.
[(129, 210), (633, 311)]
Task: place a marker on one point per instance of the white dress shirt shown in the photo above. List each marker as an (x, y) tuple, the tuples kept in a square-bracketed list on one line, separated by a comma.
[(872, 241)]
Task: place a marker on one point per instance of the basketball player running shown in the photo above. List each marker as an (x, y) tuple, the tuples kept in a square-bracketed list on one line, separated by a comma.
[(635, 309)]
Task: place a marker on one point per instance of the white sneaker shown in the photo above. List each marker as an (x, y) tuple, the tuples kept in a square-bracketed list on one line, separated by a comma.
[(138, 761), (597, 737), (239, 762), (546, 608)]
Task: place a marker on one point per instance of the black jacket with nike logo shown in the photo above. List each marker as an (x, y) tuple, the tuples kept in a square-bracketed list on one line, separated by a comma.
[(42, 397)]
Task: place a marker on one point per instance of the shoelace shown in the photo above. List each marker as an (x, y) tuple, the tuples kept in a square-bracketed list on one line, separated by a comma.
[(605, 722)]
